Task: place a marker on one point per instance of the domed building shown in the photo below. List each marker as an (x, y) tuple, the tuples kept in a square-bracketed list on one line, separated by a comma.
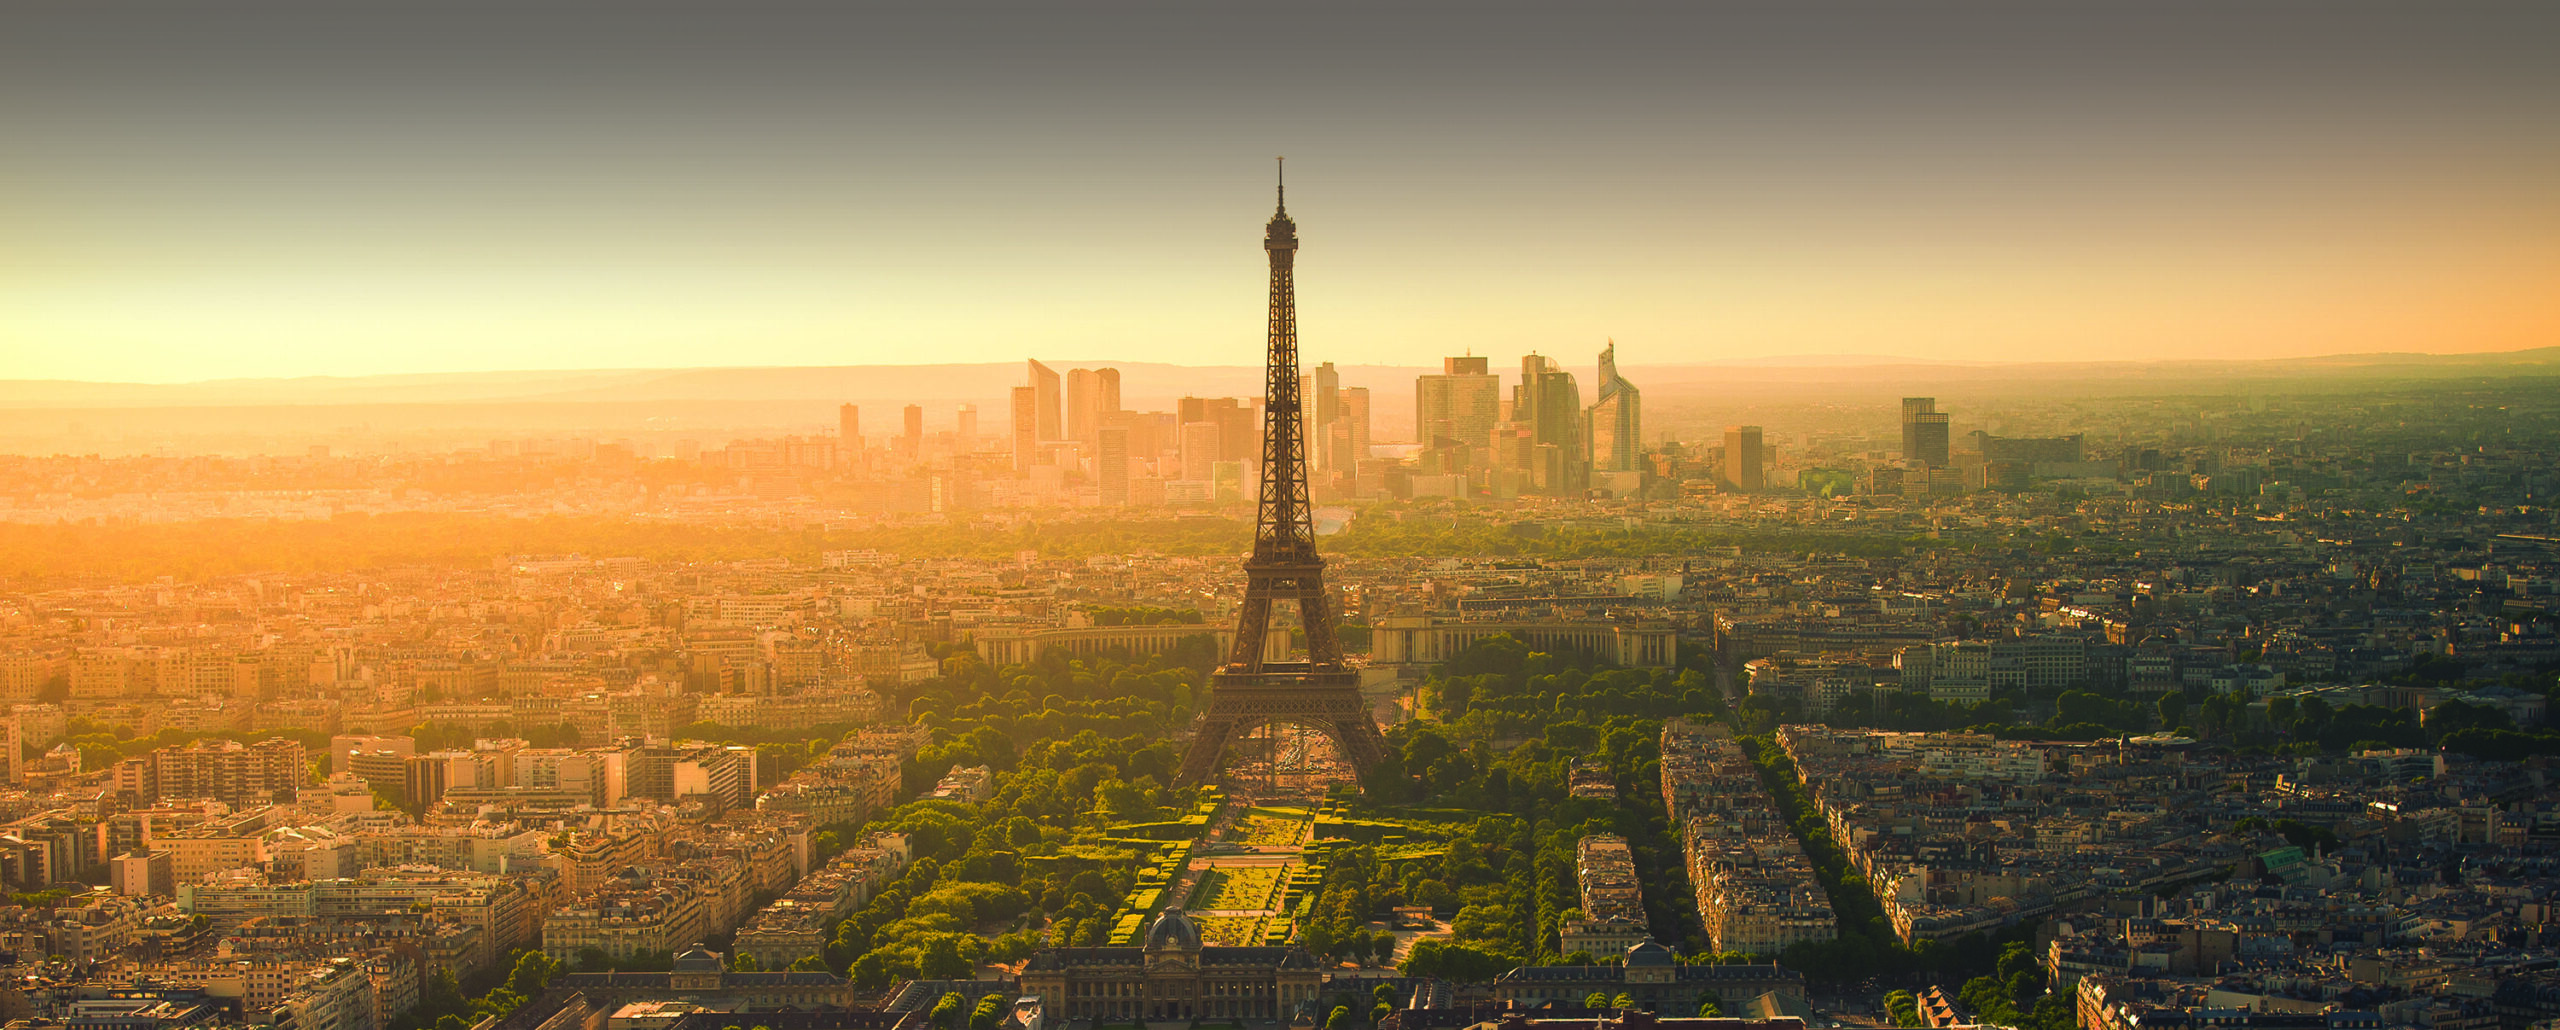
[(1173, 976), (1174, 931)]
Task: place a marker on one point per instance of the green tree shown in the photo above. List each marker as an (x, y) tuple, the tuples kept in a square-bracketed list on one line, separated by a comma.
[(1440, 958), (873, 970), (2024, 986), (2015, 958), (441, 993), (941, 959), (948, 1011), (532, 972), (988, 1014), (1903, 1007)]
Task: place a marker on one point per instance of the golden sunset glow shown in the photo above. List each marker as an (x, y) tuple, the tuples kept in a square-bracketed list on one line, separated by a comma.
[(292, 192)]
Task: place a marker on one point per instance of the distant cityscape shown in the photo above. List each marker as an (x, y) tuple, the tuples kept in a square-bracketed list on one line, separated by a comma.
[(2148, 713), (825, 516), (1068, 441)]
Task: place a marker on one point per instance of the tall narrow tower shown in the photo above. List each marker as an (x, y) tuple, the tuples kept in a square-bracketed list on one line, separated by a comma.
[(1284, 563), (1252, 690), (1616, 419)]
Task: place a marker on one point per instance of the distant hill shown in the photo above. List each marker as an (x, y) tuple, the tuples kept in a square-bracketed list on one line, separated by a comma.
[(1153, 384)]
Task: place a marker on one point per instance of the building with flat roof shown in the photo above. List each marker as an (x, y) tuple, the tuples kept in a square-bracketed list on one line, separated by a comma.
[(1742, 459)]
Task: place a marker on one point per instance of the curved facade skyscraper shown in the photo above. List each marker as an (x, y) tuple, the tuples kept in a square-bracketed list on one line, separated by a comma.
[(1617, 419)]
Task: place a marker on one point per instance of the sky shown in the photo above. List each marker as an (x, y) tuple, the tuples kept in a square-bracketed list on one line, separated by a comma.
[(195, 191)]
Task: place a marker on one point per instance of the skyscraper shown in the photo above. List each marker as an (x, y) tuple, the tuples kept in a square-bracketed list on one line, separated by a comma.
[(913, 442), (1348, 437), (1111, 465), (1236, 438), (1044, 384), (1549, 403), (1093, 396), (1932, 430), (849, 436), (1151, 434), (1236, 435), (1742, 458), (1924, 431), (1200, 450), (1326, 406), (968, 428), (950, 489), (1616, 418), (1459, 407), (1026, 427)]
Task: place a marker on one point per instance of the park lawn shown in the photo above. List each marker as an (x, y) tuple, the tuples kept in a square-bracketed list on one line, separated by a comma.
[(1235, 889)]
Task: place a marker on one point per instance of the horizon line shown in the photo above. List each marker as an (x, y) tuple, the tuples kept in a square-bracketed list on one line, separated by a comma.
[(1773, 361)]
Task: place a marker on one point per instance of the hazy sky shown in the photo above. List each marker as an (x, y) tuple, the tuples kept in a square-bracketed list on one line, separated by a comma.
[(196, 190)]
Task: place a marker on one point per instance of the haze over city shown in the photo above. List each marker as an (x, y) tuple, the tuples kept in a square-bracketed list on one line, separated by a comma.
[(281, 189)]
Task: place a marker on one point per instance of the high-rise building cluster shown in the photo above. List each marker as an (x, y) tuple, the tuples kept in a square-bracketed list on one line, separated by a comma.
[(1481, 432), (1069, 439), (1072, 440), (1543, 442), (1113, 456), (1205, 451)]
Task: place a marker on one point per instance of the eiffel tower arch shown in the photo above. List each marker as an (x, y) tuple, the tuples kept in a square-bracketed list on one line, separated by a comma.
[(1321, 693)]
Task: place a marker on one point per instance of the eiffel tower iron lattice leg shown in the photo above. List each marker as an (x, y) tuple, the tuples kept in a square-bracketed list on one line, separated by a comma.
[(1321, 693), (1328, 702)]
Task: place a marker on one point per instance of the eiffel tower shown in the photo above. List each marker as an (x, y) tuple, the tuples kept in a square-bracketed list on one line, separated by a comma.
[(1250, 691)]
